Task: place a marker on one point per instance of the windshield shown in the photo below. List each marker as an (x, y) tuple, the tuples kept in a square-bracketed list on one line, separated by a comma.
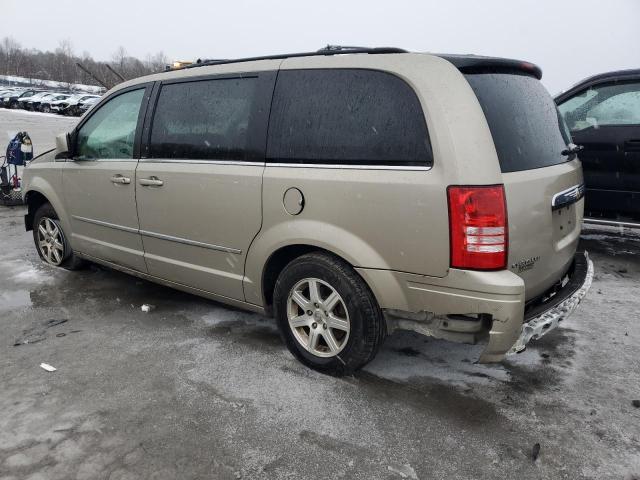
[(528, 132)]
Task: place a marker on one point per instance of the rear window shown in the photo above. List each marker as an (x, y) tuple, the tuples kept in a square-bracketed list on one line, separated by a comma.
[(347, 116), (527, 129)]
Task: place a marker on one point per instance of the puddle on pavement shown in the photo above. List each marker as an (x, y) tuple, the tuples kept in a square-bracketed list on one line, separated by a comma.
[(14, 299), (614, 243), (257, 333)]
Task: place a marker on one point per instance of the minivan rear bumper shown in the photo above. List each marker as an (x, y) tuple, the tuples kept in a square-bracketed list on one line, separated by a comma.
[(499, 294), (546, 312)]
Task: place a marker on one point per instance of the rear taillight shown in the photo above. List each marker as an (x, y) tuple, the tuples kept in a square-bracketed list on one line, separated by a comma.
[(478, 227)]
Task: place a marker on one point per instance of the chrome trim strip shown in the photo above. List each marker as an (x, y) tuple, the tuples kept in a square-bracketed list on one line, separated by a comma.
[(202, 162), (185, 241), (291, 165), (106, 224), (610, 223), (160, 236), (97, 160), (351, 167), (567, 197)]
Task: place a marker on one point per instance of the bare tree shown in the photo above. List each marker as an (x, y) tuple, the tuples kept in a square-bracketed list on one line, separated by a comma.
[(60, 65), (119, 57), (12, 56)]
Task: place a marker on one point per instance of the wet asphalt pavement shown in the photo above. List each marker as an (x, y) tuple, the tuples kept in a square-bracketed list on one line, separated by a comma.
[(195, 389)]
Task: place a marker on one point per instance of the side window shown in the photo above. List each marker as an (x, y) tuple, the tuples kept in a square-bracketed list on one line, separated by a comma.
[(345, 116), (617, 104), (110, 132), (205, 119)]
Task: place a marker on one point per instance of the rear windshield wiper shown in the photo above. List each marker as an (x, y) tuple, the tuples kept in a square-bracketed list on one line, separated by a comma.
[(572, 149)]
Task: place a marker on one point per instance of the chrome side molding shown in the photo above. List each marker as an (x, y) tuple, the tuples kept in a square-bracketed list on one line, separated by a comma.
[(161, 236)]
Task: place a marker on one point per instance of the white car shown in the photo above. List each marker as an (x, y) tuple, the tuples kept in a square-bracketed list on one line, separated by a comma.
[(45, 104), (85, 105), (23, 103), (63, 106)]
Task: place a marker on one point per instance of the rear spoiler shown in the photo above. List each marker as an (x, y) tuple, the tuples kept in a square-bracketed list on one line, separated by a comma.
[(480, 64)]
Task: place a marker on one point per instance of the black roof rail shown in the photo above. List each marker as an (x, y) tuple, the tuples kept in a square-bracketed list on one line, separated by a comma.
[(325, 51)]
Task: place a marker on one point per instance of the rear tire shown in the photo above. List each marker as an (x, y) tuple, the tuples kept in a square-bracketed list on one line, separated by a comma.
[(51, 242), (336, 330)]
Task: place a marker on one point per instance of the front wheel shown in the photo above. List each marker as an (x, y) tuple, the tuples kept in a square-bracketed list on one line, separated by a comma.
[(50, 240), (327, 315)]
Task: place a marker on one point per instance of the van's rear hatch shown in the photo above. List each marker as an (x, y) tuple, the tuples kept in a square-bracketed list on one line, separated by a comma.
[(530, 137)]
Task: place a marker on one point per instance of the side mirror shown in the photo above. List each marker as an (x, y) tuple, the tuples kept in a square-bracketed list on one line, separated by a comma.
[(63, 149)]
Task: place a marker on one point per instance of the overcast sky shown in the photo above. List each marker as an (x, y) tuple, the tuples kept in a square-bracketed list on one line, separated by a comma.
[(569, 39)]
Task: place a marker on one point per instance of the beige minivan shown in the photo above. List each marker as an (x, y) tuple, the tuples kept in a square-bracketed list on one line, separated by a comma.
[(348, 192)]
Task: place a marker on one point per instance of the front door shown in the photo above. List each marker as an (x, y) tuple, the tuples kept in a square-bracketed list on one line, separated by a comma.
[(199, 191), (605, 120), (99, 182)]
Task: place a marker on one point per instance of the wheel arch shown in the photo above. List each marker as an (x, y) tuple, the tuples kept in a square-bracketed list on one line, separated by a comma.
[(39, 193), (281, 257)]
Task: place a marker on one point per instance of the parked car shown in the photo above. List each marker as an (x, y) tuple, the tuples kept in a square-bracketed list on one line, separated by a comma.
[(5, 91), (45, 105), (11, 100), (603, 114), (29, 103), (68, 105), (346, 195), (85, 105)]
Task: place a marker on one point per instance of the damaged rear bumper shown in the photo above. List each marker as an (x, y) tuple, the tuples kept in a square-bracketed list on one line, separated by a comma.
[(493, 304), (547, 315)]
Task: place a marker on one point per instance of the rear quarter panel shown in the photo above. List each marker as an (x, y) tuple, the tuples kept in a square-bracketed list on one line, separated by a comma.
[(382, 219)]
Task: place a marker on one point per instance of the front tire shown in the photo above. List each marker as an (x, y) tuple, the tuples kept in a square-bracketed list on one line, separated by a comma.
[(51, 242), (327, 315)]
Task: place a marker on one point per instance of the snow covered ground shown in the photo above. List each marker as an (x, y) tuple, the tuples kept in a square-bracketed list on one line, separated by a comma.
[(35, 82), (42, 127)]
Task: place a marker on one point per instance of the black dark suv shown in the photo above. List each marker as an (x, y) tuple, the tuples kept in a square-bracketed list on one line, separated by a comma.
[(603, 114)]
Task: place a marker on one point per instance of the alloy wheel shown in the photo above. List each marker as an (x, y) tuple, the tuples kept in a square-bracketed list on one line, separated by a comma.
[(50, 241), (318, 317)]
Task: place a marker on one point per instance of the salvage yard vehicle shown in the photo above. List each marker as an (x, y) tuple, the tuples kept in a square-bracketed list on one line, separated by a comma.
[(348, 192), (29, 103), (603, 114), (11, 100), (85, 105), (45, 105), (68, 105)]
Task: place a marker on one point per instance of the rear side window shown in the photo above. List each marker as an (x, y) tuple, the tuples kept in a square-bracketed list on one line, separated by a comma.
[(351, 117), (206, 119), (526, 127)]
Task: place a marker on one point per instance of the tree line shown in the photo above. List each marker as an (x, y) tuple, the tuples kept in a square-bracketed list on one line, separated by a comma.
[(61, 65)]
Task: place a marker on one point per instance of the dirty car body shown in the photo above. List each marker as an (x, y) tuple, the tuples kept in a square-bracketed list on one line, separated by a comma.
[(347, 195)]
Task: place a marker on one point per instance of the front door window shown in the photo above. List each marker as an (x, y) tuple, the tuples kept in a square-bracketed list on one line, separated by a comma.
[(111, 130)]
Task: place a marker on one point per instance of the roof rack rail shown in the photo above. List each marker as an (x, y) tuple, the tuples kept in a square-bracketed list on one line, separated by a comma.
[(325, 51)]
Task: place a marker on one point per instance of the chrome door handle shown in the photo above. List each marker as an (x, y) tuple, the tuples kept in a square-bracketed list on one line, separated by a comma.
[(151, 182), (119, 179)]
